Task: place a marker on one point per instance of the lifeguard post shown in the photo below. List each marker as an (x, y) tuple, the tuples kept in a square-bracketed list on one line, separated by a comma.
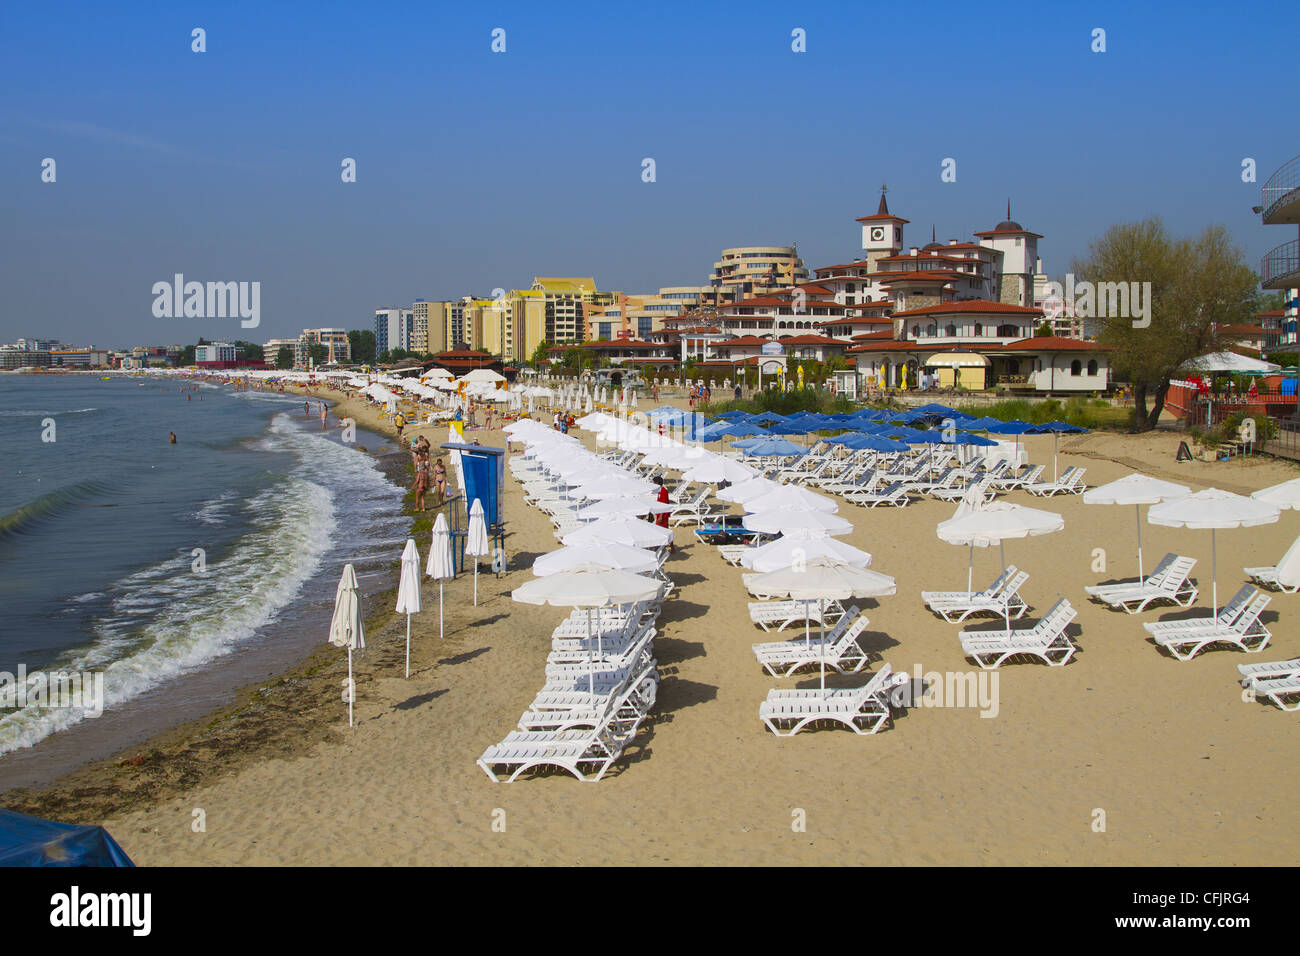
[(484, 471)]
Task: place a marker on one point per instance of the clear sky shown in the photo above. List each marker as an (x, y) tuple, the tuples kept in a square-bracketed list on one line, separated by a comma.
[(478, 170)]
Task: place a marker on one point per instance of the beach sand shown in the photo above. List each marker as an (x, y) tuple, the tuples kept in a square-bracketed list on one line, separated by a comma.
[(1125, 756)]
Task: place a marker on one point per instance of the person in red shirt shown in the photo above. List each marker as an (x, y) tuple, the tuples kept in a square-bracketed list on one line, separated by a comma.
[(662, 519)]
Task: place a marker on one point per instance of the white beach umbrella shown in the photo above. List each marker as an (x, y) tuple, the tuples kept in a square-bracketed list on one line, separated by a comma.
[(440, 565), (793, 550), (717, 468), (1136, 490), (347, 628), (408, 592), (792, 498), (1283, 496), (1216, 510), (618, 529), (992, 524), (780, 522), (630, 506), (476, 539), (748, 490), (588, 589), (621, 485), (821, 579), (605, 554)]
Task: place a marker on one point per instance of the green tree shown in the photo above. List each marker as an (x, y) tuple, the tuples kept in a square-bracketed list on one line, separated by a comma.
[(318, 353), (187, 353), (284, 357), (251, 351), (361, 343), (1045, 330), (1196, 285), (539, 354)]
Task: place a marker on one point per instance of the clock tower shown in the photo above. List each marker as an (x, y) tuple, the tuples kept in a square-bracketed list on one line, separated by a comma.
[(882, 234)]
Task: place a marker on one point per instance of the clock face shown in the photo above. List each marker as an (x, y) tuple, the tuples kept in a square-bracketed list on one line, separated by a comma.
[(877, 234)]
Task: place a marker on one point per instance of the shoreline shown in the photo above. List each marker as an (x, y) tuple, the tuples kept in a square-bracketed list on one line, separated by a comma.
[(250, 727)]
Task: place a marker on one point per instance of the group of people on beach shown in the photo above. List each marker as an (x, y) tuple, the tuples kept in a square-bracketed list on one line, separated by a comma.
[(427, 474)]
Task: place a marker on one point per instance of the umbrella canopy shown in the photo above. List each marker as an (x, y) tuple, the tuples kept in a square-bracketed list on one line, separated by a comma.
[(793, 550), (858, 441), (604, 554), (618, 529), (630, 506), (1136, 490), (792, 498), (1283, 496), (1216, 510), (717, 469), (779, 522), (588, 589), (614, 486), (771, 448), (743, 491), (992, 524), (1057, 429)]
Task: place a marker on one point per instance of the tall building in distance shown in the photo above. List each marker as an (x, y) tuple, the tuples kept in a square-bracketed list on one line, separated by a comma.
[(392, 330), (747, 270)]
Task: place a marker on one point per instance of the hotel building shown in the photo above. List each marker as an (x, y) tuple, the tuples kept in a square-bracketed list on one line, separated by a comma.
[(1280, 267)]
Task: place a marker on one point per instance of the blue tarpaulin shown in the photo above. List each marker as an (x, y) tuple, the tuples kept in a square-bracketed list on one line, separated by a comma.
[(31, 841)]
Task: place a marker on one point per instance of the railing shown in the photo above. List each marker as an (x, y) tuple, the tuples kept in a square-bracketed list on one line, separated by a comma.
[(1279, 264), (1277, 191), (1285, 442)]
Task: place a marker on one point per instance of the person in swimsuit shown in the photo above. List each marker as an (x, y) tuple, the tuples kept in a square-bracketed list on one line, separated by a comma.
[(421, 480), (662, 519), (440, 481)]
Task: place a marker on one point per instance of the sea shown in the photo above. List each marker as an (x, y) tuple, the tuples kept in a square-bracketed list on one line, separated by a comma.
[(180, 572)]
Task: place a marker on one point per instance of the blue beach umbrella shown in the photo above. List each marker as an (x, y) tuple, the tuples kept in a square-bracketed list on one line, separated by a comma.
[(861, 440), (1057, 428), (773, 448)]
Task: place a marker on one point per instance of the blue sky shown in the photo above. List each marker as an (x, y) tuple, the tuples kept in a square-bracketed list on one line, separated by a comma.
[(477, 169)]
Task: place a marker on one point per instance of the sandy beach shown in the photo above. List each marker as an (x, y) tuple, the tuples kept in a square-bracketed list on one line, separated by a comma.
[(1179, 769)]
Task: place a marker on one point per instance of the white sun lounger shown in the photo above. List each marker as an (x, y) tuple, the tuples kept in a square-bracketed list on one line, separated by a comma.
[(894, 494), (1151, 580), (864, 710), (839, 651), (1005, 602), (1029, 476), (622, 711), (696, 510), (586, 754), (1173, 586), (1046, 640), (1289, 566), (1226, 617), (781, 614), (732, 553), (1071, 482), (1247, 633), (1283, 691), (1272, 669), (948, 597)]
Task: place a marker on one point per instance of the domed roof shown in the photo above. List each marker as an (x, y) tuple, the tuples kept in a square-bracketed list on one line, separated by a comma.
[(1009, 225)]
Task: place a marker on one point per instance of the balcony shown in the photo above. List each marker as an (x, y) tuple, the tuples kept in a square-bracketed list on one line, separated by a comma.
[(1280, 267), (1281, 196)]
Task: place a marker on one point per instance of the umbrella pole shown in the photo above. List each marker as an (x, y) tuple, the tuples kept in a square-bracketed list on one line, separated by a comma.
[(970, 572), (441, 632), (1214, 572), (591, 661), (352, 688), (476, 580), (408, 645), (821, 607), (1137, 510), (1055, 476)]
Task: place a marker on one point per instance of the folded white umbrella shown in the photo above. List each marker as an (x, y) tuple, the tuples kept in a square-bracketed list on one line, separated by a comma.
[(779, 522), (476, 539), (1136, 490), (821, 579), (408, 592), (794, 550), (792, 498), (1214, 509), (620, 529), (440, 565), (347, 628), (605, 554), (1283, 496), (588, 589)]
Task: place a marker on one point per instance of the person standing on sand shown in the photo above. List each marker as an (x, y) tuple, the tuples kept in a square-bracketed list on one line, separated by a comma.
[(421, 480), (440, 481), (400, 423), (662, 519)]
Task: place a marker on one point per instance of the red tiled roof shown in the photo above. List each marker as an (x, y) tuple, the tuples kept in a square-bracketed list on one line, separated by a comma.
[(901, 345), (883, 334), (1240, 329), (943, 275), (811, 340), (883, 216), (984, 306), (923, 254), (742, 340), (1274, 314), (620, 344), (858, 320), (999, 231), (1053, 343)]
